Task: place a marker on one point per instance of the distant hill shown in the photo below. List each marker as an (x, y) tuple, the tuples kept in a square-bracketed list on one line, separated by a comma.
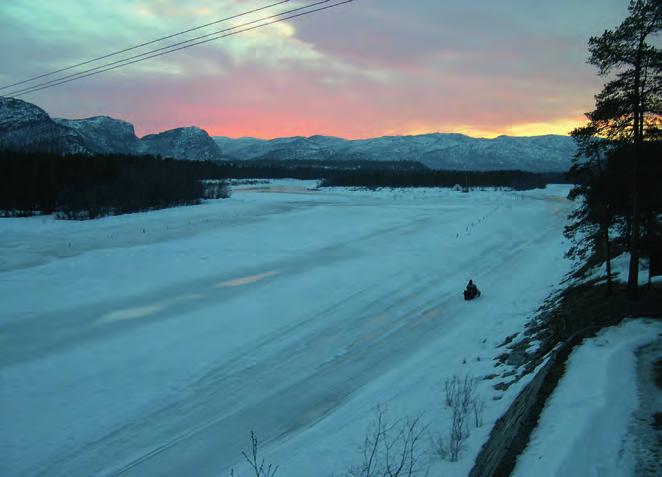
[(437, 151), (104, 135), (25, 127), (182, 143), (28, 128)]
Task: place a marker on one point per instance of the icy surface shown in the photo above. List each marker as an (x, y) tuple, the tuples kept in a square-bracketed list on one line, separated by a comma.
[(583, 428), (154, 343)]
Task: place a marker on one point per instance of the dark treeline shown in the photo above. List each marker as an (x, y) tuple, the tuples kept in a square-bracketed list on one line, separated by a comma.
[(373, 174), (340, 164), (604, 178), (308, 169), (373, 179), (81, 187)]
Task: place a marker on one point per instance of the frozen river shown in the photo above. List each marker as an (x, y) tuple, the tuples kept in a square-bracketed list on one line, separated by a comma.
[(153, 343)]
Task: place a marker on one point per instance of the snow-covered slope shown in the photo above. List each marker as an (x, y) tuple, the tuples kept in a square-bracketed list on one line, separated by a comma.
[(437, 151), (26, 127), (188, 143), (585, 427), (104, 135), (539, 154), (243, 148)]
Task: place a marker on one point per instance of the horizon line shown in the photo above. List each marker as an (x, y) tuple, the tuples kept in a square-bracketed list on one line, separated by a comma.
[(385, 135)]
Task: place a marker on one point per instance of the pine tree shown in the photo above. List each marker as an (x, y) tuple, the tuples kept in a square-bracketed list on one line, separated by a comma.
[(628, 109), (590, 224)]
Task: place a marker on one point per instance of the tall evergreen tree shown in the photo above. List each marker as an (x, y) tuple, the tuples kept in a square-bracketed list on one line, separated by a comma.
[(628, 109), (594, 179)]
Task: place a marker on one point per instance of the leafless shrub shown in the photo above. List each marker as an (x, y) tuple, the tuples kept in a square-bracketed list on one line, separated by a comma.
[(460, 392), (448, 447), (216, 189), (478, 407), (461, 398), (392, 448), (257, 465)]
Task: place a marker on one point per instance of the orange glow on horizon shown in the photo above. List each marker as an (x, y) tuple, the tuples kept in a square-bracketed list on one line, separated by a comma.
[(558, 127)]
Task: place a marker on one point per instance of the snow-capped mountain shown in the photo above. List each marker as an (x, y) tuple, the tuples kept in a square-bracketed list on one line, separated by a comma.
[(437, 151), (26, 127), (104, 135), (182, 143)]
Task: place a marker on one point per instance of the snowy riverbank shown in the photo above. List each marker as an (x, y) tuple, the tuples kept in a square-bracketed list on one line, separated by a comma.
[(586, 426)]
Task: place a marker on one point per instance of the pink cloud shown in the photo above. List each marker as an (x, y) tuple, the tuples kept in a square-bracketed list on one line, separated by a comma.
[(404, 66)]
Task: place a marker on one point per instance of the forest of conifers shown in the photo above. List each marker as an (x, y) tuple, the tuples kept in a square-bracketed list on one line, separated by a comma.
[(84, 187)]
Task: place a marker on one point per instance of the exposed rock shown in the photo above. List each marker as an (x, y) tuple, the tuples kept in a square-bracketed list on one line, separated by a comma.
[(26, 127), (104, 135), (189, 143)]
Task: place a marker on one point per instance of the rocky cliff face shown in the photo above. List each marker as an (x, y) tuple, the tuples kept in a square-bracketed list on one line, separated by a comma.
[(104, 135), (26, 127), (189, 143)]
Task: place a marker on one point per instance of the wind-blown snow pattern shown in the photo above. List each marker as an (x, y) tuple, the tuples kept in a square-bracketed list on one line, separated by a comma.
[(153, 343)]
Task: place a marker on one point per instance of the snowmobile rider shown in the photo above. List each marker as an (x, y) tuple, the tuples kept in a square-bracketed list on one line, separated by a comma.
[(472, 288)]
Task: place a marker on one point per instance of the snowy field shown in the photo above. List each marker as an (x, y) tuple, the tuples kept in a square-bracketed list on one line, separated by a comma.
[(153, 343)]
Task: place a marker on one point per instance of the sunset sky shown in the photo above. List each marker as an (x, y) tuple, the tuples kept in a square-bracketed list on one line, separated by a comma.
[(365, 69)]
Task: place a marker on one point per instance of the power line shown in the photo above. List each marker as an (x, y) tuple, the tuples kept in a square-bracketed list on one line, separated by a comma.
[(109, 55), (175, 47), (127, 60)]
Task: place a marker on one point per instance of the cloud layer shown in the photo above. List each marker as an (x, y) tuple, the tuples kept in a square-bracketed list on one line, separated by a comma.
[(369, 68)]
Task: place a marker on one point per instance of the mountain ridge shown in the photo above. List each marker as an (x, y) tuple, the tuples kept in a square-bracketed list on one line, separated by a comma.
[(26, 127), (546, 153)]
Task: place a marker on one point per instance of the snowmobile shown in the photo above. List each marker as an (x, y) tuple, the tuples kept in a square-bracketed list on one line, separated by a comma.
[(471, 293)]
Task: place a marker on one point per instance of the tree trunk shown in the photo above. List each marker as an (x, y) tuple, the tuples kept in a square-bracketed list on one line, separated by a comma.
[(608, 261), (650, 243), (633, 275)]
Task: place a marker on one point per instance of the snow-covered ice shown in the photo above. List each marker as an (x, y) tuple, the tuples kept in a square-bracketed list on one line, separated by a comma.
[(582, 430), (153, 343)]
